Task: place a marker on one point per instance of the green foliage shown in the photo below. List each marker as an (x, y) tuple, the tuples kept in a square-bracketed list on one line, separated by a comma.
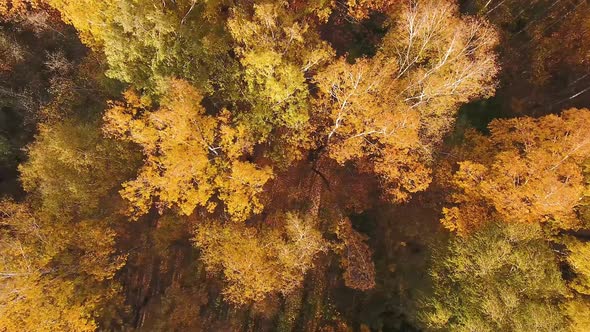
[(71, 167), (276, 51), (146, 42), (503, 277), (65, 281)]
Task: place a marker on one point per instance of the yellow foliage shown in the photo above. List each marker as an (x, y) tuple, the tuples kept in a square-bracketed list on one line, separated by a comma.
[(394, 108), (71, 167), (257, 263), (578, 312), (185, 161), (89, 23), (578, 261), (55, 276), (277, 51), (237, 189), (534, 174)]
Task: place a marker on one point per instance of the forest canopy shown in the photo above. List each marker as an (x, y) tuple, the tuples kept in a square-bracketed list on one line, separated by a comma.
[(294, 165)]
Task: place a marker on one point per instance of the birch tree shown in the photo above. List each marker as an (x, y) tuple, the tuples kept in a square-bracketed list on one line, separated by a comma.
[(533, 173)]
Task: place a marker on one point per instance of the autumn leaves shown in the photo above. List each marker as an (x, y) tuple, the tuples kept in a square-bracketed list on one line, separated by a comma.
[(284, 93), (527, 171), (387, 112), (189, 156), (225, 98)]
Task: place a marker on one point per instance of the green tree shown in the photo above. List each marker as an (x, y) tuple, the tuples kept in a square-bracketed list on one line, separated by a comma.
[(277, 50), (145, 43), (502, 277), (71, 167)]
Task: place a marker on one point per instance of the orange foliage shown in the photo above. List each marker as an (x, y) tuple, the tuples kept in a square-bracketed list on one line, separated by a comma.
[(359, 269), (16, 8), (365, 123), (533, 175), (360, 9), (185, 164), (391, 110)]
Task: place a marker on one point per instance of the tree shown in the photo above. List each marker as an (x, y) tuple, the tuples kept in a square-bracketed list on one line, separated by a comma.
[(443, 61), (532, 174), (356, 260), (258, 263), (576, 259), (578, 312), (577, 308), (361, 9), (564, 48), (55, 275), (145, 43), (278, 51), (58, 248), (167, 135), (392, 110), (71, 167), (543, 52), (11, 52), (503, 277), (363, 124)]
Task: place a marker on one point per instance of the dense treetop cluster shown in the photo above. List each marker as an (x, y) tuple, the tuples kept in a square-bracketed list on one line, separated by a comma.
[(294, 165)]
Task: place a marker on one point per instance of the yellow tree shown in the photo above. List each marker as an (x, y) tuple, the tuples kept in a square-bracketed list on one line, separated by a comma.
[(443, 60), (257, 263), (577, 307), (532, 173), (58, 251), (278, 51), (577, 258), (391, 110), (56, 276), (90, 24), (190, 156)]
